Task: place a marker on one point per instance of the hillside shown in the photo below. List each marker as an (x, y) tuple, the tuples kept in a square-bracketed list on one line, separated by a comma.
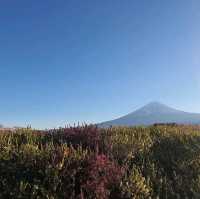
[(154, 113)]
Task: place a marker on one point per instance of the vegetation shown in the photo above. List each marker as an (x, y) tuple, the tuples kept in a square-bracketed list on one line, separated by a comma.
[(161, 161)]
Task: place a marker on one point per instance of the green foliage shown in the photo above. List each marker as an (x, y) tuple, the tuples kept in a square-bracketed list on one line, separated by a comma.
[(134, 185), (158, 162)]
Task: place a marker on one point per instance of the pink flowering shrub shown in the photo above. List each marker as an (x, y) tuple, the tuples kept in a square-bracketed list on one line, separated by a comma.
[(87, 136), (103, 178)]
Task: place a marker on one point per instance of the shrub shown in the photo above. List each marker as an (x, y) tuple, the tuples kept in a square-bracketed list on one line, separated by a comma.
[(161, 161), (135, 186), (103, 178)]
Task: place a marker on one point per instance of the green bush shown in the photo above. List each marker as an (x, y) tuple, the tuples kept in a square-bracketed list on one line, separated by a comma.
[(158, 162)]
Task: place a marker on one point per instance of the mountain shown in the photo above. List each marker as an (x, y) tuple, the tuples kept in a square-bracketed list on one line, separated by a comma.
[(152, 113)]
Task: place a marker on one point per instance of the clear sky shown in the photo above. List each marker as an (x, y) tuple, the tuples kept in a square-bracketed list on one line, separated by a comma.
[(94, 60)]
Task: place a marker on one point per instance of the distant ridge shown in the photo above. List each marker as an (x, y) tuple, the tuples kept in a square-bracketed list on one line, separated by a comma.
[(154, 112)]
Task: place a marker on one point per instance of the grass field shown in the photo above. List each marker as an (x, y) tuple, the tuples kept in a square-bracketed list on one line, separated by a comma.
[(87, 162)]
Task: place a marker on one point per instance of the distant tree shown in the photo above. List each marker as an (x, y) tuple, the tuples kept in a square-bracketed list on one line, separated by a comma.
[(1, 126)]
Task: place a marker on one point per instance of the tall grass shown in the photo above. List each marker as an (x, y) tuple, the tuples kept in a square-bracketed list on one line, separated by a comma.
[(90, 163)]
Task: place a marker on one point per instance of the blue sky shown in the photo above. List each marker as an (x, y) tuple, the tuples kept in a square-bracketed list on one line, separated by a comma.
[(67, 61)]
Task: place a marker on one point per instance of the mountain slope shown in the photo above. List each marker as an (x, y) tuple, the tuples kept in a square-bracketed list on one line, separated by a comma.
[(154, 113)]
